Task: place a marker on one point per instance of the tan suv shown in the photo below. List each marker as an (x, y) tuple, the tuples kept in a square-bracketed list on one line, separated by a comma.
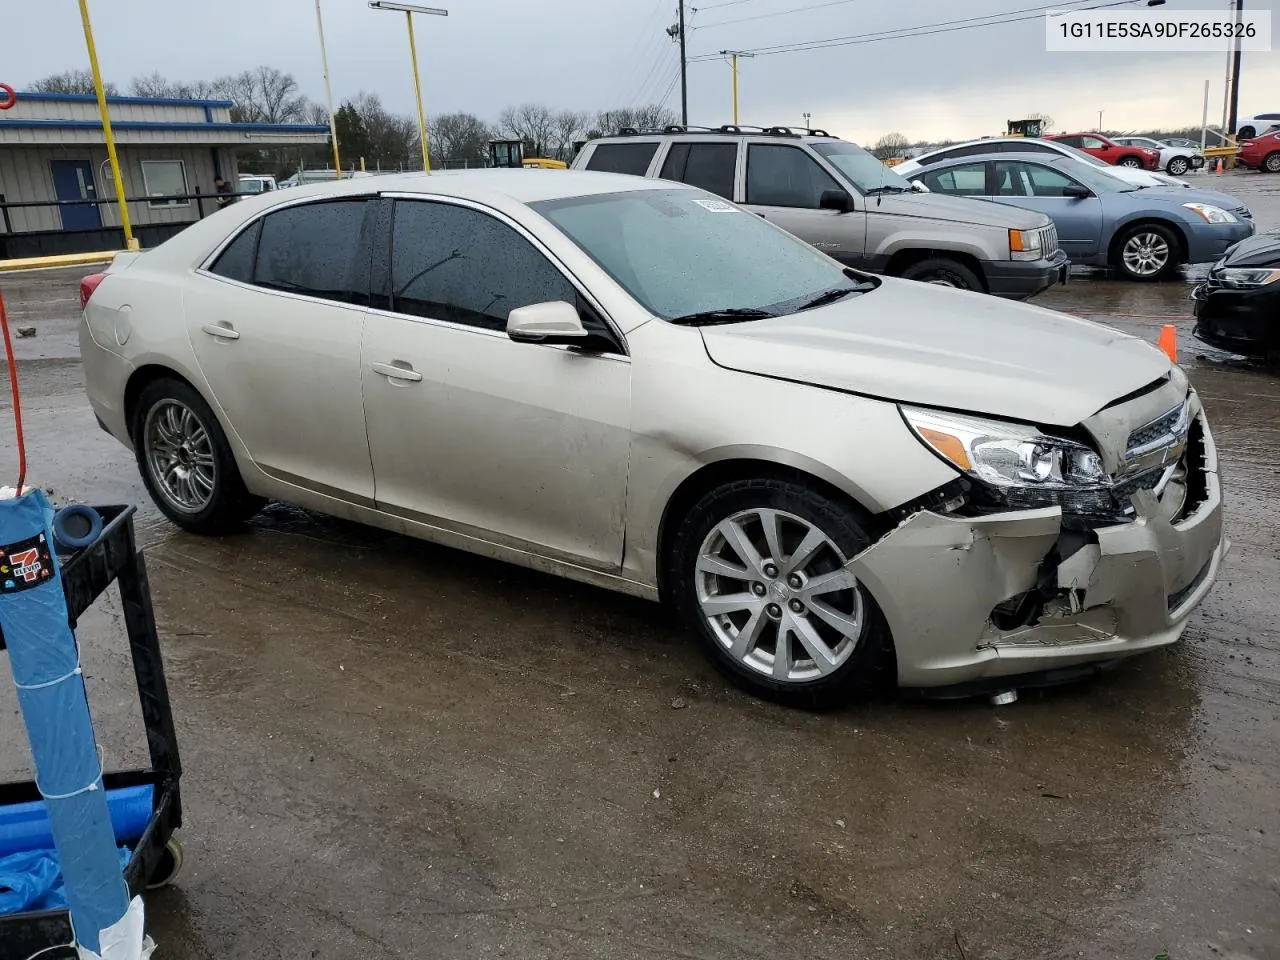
[(837, 197)]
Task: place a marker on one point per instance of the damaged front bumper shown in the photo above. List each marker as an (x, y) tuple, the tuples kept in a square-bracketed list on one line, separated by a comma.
[(943, 582)]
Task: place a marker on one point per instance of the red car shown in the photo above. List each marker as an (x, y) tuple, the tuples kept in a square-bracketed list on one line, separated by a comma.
[(1116, 154), (1261, 153)]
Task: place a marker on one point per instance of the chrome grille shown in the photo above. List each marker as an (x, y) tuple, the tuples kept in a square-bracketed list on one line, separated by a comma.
[(1048, 240), (1172, 425)]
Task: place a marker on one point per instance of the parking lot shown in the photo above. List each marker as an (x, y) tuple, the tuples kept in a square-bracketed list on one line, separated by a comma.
[(395, 749)]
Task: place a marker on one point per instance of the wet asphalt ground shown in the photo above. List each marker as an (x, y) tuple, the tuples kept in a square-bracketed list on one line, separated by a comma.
[(397, 750)]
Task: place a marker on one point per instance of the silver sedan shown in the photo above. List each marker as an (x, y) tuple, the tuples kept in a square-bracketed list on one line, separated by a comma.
[(839, 480)]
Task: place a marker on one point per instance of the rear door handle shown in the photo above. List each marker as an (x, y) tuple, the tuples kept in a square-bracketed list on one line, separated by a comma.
[(397, 371), (223, 331)]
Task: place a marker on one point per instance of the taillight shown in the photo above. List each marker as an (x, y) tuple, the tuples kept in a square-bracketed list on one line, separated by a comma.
[(88, 285)]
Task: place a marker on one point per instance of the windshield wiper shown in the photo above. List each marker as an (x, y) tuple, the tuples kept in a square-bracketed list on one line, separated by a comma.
[(887, 188), (831, 296), (707, 318)]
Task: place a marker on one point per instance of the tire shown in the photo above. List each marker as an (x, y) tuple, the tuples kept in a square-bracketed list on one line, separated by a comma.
[(945, 272), (1163, 248), (1178, 166), (169, 867), (1131, 162), (1271, 163), (781, 605), (1246, 133), (186, 462)]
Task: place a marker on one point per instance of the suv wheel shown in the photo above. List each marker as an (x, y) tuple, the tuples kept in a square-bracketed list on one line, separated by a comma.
[(186, 462), (943, 272), (1178, 166), (758, 573), (1148, 251), (1131, 162)]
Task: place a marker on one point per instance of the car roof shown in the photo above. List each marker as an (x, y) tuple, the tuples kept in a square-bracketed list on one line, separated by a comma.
[(523, 185), (1031, 157)]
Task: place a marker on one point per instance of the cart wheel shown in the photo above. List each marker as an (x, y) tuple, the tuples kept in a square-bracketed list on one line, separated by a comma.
[(169, 867)]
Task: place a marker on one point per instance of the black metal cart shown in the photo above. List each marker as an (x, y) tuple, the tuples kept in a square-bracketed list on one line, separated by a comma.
[(157, 857)]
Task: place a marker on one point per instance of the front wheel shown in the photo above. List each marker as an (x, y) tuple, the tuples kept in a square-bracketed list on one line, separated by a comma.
[(759, 573), (943, 272), (1271, 162), (1146, 252), (1131, 162), (186, 462), (1178, 166)]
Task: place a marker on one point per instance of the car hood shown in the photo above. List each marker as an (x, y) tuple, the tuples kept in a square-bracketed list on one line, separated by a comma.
[(1262, 250), (1181, 195), (922, 344), (935, 206)]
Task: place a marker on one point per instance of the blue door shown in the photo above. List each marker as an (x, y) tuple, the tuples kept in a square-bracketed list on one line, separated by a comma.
[(73, 180), (1037, 187)]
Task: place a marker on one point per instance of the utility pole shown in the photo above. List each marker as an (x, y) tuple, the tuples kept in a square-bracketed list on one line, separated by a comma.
[(684, 68), (733, 56), (1235, 75), (1099, 121)]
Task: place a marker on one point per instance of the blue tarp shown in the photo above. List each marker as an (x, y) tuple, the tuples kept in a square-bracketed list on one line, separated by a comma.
[(46, 671), (31, 880)]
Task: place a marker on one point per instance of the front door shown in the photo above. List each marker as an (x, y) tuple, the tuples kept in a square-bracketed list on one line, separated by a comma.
[(73, 180), (1035, 186), (517, 443), (785, 186), (275, 324)]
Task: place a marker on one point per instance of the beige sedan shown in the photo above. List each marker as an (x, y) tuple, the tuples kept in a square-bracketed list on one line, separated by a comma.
[(840, 480)]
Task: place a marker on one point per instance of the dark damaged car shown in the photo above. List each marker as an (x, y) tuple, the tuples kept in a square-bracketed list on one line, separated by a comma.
[(1238, 306)]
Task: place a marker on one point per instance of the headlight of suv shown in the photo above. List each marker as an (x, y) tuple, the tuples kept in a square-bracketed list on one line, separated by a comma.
[(1019, 464), (1210, 213), (1025, 245), (1247, 276)]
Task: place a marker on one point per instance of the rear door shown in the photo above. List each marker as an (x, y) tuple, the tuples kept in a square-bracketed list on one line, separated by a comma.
[(1038, 187), (710, 165), (275, 322), (784, 184)]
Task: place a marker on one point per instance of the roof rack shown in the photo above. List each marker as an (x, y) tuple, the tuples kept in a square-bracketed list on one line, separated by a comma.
[(728, 129)]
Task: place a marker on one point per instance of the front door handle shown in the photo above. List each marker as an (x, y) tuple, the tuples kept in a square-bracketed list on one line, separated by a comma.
[(398, 370), (223, 331)]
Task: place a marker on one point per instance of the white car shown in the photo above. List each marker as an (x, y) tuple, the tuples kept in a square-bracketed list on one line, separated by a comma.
[(1133, 175), (836, 478), (1258, 124), (1173, 160)]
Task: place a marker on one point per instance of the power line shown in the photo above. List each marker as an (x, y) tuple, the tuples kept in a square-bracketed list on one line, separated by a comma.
[(624, 80), (776, 13), (670, 87), (920, 30), (725, 3), (653, 82)]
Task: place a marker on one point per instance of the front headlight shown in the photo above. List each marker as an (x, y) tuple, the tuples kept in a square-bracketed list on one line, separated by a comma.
[(1025, 245), (1021, 464), (1210, 213), (1247, 276)]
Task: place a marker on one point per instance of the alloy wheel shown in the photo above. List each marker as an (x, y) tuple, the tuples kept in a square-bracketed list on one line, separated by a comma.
[(1130, 162), (1272, 163), (1145, 254), (179, 454), (1178, 166), (777, 596)]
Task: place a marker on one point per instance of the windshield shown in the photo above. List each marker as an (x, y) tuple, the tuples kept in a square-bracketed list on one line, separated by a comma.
[(250, 186), (683, 253), (1081, 155), (859, 167), (1099, 181)]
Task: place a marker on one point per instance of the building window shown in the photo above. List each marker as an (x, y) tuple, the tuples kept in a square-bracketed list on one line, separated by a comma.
[(165, 178)]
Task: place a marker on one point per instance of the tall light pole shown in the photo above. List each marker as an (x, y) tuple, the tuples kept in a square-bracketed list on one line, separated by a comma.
[(130, 241), (328, 93), (1099, 121), (808, 120), (409, 9), (733, 56), (1233, 115)]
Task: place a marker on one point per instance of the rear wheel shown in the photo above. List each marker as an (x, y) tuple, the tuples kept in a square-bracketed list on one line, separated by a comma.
[(943, 272), (1146, 252), (1178, 166), (758, 573), (186, 461), (1271, 162), (1131, 162)]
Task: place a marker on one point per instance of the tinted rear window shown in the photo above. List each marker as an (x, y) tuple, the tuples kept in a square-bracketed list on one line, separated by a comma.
[(706, 165), (318, 249), (632, 158), (236, 261)]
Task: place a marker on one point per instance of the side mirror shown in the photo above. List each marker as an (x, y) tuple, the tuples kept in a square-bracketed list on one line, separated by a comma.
[(552, 322), (1105, 146), (919, 187), (1077, 192), (836, 200)]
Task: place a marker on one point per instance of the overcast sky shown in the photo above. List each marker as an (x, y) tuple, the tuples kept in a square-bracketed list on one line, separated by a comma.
[(593, 54)]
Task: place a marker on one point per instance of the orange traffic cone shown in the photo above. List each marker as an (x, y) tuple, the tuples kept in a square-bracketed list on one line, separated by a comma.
[(1168, 341)]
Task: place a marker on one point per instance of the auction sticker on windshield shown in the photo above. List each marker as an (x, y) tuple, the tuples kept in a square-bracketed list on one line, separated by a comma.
[(717, 206)]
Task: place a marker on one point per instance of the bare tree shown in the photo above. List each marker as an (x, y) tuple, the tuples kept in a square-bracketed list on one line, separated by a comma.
[(459, 138), (72, 81), (532, 123), (1046, 121), (651, 117), (316, 113), (567, 127), (392, 139), (890, 145)]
